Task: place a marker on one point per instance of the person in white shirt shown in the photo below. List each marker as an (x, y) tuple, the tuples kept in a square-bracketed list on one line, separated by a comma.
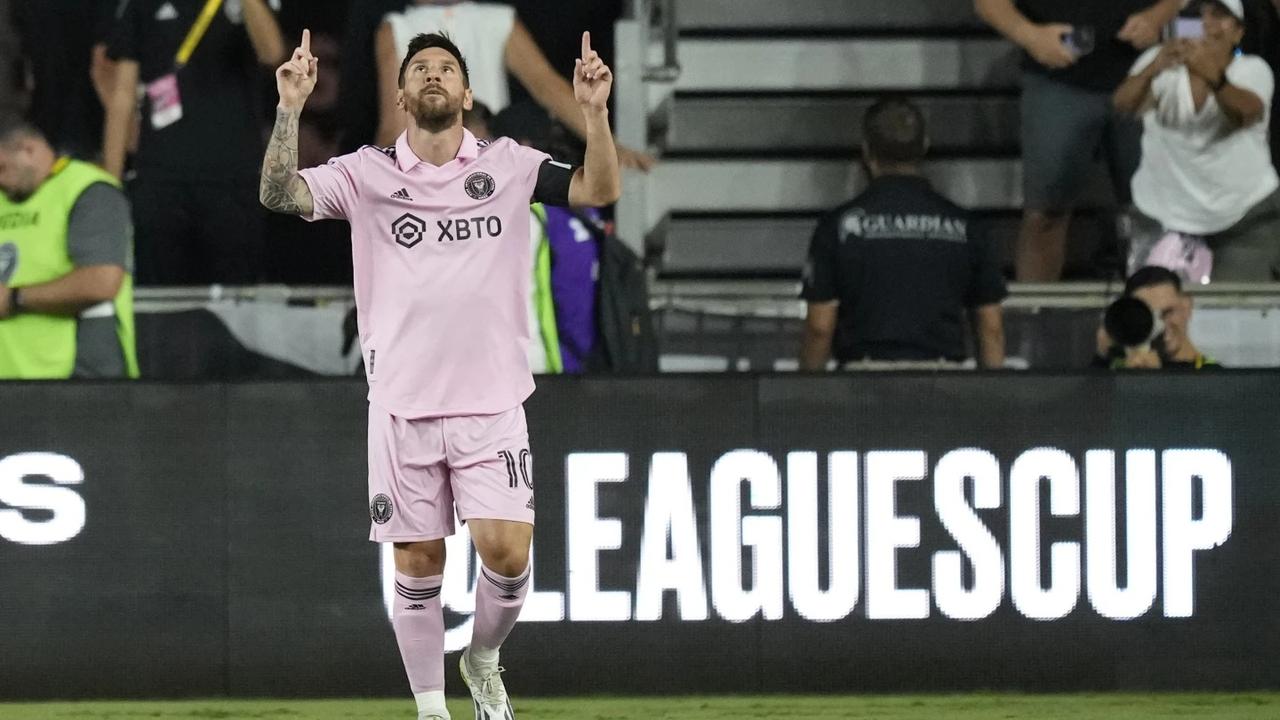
[(496, 42), (1206, 166)]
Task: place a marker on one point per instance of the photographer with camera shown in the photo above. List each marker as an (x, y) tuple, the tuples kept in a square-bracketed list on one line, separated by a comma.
[(1146, 328)]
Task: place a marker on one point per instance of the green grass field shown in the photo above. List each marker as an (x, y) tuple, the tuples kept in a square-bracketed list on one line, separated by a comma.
[(1251, 706)]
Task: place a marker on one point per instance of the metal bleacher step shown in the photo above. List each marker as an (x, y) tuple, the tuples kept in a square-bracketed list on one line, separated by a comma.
[(784, 185), (771, 123), (751, 64), (816, 16), (763, 245)]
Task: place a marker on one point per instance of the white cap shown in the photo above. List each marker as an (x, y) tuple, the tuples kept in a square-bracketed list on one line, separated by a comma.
[(1236, 7)]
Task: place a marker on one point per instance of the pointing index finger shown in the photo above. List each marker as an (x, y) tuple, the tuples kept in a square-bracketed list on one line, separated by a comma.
[(586, 44)]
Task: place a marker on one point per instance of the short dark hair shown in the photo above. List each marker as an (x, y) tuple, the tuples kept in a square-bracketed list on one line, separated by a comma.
[(894, 131), (441, 40), (14, 126), (1151, 276)]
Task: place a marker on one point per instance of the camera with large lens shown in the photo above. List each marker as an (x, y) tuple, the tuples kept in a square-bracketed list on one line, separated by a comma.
[(1132, 326)]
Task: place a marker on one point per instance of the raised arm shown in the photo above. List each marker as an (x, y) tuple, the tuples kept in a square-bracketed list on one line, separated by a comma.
[(282, 189), (1209, 59), (599, 181), (264, 32), (1142, 29), (1134, 94), (122, 103), (530, 66), (390, 117)]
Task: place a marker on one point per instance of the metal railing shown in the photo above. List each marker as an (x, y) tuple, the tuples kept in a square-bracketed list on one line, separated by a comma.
[(659, 16), (745, 298)]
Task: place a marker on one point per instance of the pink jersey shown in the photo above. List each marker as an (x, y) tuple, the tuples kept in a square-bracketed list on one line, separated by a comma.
[(442, 272)]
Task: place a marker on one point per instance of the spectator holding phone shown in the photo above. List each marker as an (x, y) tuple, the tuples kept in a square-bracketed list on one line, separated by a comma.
[(1076, 54), (1206, 166)]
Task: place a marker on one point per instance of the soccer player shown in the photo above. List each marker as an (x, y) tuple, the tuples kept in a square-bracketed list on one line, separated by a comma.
[(441, 252)]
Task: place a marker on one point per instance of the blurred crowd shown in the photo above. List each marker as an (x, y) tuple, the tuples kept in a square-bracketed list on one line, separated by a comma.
[(1175, 98), (161, 107), (173, 98)]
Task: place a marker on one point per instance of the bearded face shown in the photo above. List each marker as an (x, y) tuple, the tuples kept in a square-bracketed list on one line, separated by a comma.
[(435, 92), (18, 176)]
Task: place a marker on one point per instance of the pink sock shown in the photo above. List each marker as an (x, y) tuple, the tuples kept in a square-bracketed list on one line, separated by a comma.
[(418, 620), (498, 603)]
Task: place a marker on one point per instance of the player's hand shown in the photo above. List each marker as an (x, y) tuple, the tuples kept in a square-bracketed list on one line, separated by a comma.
[(5, 310), (1044, 44), (1141, 30), (592, 79), (296, 78)]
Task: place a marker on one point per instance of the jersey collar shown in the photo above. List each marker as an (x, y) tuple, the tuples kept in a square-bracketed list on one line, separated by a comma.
[(407, 160)]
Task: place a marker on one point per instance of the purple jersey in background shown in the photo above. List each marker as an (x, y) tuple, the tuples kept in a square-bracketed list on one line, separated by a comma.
[(575, 273)]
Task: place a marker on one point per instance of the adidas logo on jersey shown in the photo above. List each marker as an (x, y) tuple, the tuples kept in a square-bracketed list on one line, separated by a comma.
[(401, 194)]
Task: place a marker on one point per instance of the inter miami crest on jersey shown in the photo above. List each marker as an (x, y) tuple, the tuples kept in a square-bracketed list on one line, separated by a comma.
[(479, 185), (381, 509)]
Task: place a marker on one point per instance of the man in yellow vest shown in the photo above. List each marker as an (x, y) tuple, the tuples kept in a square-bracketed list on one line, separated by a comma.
[(66, 291)]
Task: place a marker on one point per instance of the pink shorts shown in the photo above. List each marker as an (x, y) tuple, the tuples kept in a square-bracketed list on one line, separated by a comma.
[(420, 470)]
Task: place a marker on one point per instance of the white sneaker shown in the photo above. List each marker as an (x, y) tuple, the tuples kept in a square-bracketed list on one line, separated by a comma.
[(488, 694)]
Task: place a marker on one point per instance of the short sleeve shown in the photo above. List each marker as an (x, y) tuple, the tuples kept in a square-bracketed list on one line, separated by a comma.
[(1146, 58), (1253, 74), (526, 163), (334, 191), (99, 229), (122, 33), (986, 285), (818, 283)]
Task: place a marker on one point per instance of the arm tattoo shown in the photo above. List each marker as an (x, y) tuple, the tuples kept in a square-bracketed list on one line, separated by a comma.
[(282, 189)]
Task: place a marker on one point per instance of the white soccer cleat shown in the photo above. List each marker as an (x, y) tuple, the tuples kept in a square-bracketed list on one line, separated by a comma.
[(488, 694), (433, 716)]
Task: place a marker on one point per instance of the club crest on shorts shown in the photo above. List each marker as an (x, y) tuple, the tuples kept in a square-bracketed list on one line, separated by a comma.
[(381, 509), (479, 185)]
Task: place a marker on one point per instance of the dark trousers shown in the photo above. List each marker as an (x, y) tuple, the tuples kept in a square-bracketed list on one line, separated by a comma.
[(197, 233)]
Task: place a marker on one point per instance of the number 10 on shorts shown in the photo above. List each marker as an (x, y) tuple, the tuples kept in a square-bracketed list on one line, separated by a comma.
[(514, 460)]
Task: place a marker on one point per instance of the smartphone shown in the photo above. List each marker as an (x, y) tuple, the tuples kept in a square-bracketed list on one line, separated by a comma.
[(1185, 27), (1080, 41)]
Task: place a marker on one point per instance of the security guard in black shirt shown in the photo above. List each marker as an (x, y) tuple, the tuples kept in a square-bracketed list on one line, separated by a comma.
[(891, 272), (199, 65)]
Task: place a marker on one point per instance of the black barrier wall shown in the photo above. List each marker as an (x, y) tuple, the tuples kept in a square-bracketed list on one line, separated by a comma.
[(696, 534)]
